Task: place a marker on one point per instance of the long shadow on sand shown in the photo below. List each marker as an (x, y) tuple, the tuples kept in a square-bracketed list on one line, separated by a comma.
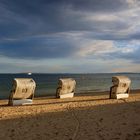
[(103, 122), (61, 102)]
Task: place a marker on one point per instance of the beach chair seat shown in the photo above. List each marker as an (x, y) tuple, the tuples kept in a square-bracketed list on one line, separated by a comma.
[(66, 88), (120, 88), (22, 92)]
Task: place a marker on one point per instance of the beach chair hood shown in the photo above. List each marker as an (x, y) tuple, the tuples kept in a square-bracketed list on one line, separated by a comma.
[(120, 80)]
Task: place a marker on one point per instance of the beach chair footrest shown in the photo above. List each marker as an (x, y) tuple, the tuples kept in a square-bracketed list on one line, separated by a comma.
[(22, 102), (68, 95), (119, 96), (122, 95)]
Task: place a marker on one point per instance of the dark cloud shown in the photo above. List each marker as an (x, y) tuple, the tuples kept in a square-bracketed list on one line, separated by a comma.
[(45, 16), (98, 5), (37, 48), (38, 6), (22, 20), (133, 56)]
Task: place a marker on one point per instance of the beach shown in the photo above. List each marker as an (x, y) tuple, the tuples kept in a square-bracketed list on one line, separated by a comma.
[(84, 117)]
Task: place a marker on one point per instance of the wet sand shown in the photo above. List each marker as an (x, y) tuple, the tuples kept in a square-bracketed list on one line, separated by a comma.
[(84, 117)]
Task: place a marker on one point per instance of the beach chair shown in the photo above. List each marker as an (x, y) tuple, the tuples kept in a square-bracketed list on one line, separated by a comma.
[(22, 92), (120, 88), (66, 88)]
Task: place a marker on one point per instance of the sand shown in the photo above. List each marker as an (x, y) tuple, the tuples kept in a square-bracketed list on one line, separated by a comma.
[(84, 117)]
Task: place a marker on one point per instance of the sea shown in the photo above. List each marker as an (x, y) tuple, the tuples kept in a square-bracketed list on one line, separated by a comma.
[(46, 84)]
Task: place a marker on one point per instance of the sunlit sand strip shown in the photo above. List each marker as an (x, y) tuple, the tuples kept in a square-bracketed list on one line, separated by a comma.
[(44, 105)]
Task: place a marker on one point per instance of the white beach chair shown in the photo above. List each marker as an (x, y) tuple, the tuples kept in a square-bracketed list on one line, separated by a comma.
[(66, 88), (120, 88), (22, 92)]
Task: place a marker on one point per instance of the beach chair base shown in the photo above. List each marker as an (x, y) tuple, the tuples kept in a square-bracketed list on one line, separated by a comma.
[(22, 102), (123, 95), (68, 95), (120, 96)]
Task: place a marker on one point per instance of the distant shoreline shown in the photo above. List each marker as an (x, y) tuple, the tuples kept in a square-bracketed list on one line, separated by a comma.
[(75, 73)]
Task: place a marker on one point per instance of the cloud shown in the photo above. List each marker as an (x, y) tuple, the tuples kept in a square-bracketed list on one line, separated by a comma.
[(111, 50), (37, 48), (95, 48), (70, 65), (104, 20), (26, 18), (100, 30)]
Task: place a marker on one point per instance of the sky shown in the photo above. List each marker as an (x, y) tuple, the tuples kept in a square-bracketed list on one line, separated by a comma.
[(69, 36)]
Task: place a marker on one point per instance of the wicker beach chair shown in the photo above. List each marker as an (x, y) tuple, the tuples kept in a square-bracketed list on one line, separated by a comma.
[(120, 88), (66, 88), (22, 92)]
